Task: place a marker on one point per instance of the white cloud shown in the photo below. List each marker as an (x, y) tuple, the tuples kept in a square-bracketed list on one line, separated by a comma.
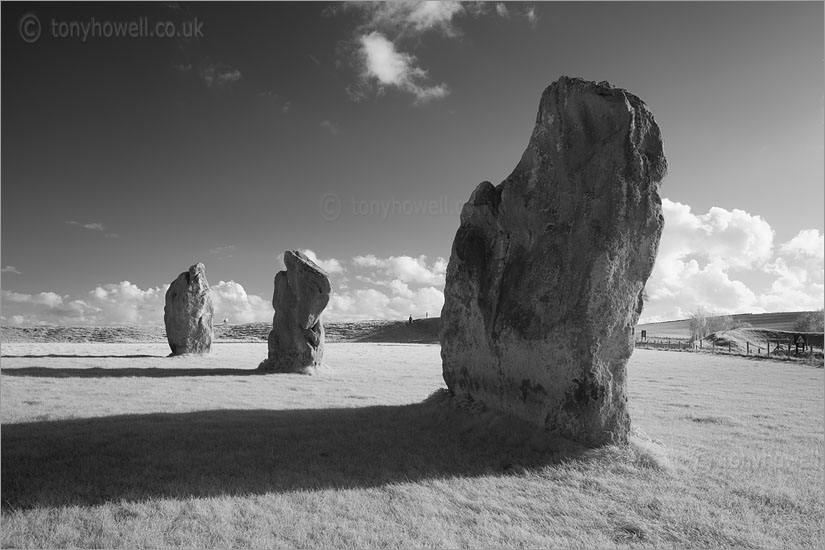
[(808, 242), (49, 299), (230, 301), (389, 31), (798, 286), (331, 266), (716, 260), (44, 308), (126, 304), (393, 287), (429, 15), (10, 269), (733, 238), (370, 303), (405, 268), (408, 17), (383, 63)]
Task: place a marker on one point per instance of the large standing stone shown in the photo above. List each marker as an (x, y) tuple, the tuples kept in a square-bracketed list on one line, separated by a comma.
[(188, 313), (545, 280), (296, 341)]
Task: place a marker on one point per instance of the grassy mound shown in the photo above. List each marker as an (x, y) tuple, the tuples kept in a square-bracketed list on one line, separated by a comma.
[(741, 340), (421, 331)]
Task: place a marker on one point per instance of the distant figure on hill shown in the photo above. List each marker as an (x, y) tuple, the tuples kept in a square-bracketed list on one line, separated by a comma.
[(410, 321), (426, 315), (226, 320)]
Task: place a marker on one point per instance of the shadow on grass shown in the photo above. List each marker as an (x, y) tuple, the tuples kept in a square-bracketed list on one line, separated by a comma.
[(148, 372), (253, 452)]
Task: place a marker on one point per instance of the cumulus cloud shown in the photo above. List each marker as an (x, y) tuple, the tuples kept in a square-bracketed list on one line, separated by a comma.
[(125, 303), (231, 301), (806, 243), (393, 287), (10, 269), (49, 299), (331, 266), (799, 272), (371, 303), (405, 268), (715, 260), (44, 308)]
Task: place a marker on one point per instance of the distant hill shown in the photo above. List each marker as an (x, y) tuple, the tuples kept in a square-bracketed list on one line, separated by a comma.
[(421, 331), (681, 329)]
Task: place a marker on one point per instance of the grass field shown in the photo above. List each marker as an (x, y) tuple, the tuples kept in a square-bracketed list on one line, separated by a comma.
[(115, 445)]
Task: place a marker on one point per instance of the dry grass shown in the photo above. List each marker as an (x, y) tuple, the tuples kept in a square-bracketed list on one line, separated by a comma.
[(105, 452)]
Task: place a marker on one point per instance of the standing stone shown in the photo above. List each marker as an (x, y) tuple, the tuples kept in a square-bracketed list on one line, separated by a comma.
[(296, 341), (188, 313), (547, 269)]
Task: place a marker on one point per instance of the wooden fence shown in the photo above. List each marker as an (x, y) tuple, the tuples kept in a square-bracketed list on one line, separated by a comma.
[(775, 347)]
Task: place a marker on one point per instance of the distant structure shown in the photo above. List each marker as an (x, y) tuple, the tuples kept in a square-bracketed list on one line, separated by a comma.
[(547, 269), (188, 313), (296, 341)]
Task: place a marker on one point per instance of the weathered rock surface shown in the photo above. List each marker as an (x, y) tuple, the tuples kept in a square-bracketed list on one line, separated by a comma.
[(296, 341), (545, 279), (188, 313)]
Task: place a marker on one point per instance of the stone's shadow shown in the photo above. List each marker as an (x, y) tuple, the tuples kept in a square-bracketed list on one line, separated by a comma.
[(61, 356), (214, 453), (148, 372)]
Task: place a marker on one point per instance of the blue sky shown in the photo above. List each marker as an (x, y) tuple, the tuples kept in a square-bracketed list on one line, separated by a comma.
[(356, 131)]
